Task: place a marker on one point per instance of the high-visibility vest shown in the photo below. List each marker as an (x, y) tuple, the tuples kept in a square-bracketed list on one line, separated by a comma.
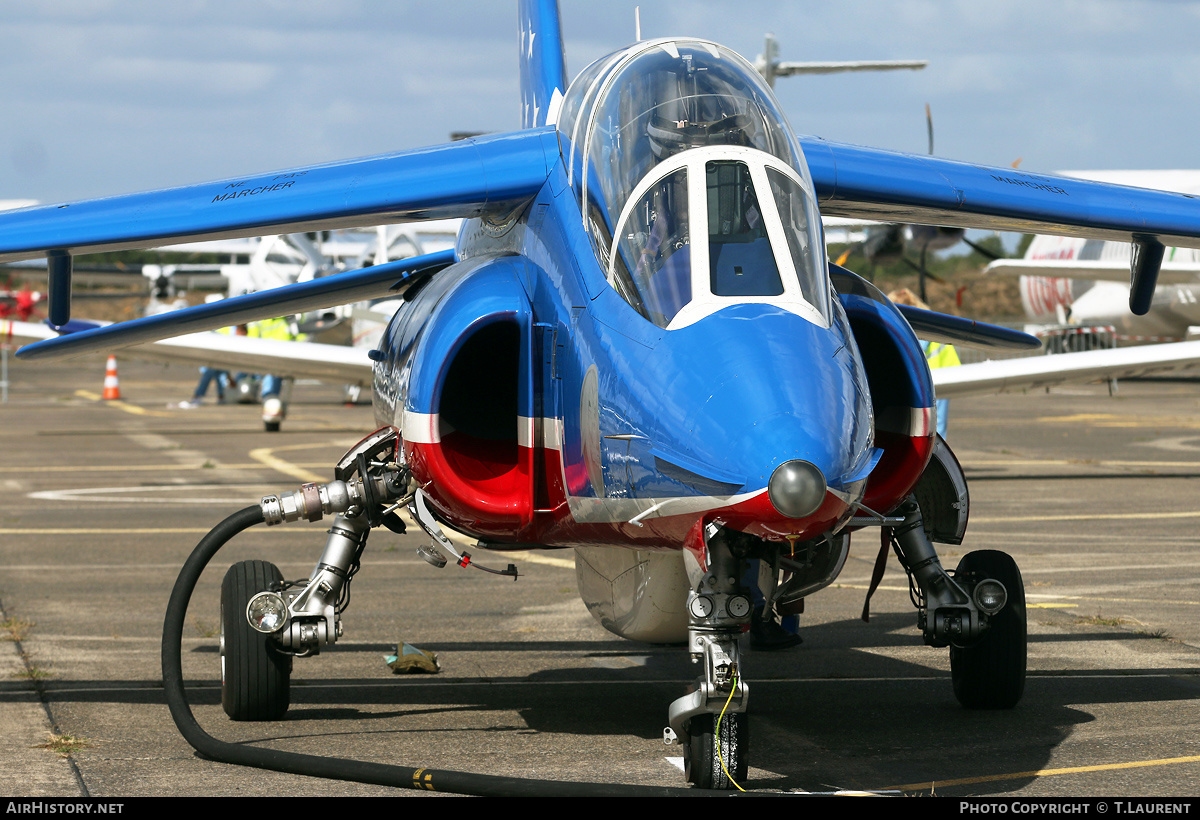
[(940, 355)]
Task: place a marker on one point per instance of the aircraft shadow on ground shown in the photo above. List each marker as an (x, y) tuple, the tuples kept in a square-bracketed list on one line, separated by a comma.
[(833, 712)]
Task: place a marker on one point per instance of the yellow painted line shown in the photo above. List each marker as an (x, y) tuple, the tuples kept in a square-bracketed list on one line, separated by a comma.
[(266, 455), (1073, 462), (1111, 600), (539, 558), (868, 586), (1048, 605), (1082, 417), (1093, 517), (1107, 767), (123, 531), (120, 405), (124, 468), (528, 556), (1113, 420)]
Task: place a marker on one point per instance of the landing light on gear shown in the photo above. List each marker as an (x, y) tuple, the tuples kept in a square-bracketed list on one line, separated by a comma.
[(990, 596), (267, 612)]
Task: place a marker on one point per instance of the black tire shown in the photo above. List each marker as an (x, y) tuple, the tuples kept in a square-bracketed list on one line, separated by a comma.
[(255, 676), (271, 426), (990, 674), (702, 763)]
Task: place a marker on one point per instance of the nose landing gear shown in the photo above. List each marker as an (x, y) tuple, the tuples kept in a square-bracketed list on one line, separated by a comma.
[(710, 722)]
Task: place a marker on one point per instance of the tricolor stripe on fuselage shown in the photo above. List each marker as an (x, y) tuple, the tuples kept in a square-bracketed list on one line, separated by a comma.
[(562, 519)]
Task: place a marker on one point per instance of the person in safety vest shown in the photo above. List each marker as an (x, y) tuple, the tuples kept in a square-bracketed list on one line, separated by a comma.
[(282, 328)]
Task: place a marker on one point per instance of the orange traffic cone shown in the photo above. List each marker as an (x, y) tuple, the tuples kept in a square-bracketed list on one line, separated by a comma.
[(112, 389)]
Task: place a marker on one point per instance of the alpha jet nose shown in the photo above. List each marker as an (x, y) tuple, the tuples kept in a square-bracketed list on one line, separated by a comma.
[(796, 489)]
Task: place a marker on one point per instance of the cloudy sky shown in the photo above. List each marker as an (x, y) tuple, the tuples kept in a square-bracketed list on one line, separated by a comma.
[(110, 96)]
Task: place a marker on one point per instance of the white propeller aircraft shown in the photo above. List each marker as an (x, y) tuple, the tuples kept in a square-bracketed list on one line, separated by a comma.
[(1086, 281)]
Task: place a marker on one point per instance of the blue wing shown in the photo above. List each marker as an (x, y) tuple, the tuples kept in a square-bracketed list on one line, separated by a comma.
[(476, 177), (870, 183)]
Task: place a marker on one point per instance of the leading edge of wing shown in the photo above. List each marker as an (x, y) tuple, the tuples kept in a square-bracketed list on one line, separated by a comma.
[(1034, 372), (474, 177), (889, 186), (337, 289)]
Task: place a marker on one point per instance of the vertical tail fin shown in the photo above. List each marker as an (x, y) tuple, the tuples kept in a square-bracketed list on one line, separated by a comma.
[(543, 66)]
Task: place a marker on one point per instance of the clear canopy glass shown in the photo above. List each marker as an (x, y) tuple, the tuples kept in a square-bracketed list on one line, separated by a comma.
[(632, 111)]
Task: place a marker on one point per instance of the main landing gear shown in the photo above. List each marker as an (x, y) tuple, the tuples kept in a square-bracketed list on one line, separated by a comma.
[(990, 674), (979, 611), (265, 621)]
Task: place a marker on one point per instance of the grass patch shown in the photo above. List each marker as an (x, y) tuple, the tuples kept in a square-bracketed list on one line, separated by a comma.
[(1100, 620), (14, 629), (205, 628), (33, 673), (1160, 634), (65, 745)]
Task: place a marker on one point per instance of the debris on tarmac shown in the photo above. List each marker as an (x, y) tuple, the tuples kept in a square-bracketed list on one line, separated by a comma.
[(409, 660)]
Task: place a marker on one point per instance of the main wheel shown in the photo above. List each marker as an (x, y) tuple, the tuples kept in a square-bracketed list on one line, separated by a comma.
[(990, 674), (255, 676), (712, 759)]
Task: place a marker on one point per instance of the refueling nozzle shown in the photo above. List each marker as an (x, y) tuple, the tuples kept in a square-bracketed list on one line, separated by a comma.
[(312, 501)]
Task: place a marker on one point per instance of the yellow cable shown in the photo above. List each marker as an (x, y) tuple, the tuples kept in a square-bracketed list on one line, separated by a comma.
[(717, 736)]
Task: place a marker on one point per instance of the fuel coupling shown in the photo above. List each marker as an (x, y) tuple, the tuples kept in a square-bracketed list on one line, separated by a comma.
[(369, 478), (312, 501)]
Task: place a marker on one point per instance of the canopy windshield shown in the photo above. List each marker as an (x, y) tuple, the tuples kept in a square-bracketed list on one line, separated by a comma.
[(630, 111)]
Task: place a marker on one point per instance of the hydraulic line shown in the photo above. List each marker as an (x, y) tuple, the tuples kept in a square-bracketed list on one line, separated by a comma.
[(403, 777)]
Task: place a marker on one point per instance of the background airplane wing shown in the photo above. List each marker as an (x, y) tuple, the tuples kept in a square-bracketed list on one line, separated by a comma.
[(1171, 273), (332, 363), (15, 334), (1012, 375)]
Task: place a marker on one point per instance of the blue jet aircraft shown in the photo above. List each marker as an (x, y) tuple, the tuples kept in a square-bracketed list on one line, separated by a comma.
[(639, 350)]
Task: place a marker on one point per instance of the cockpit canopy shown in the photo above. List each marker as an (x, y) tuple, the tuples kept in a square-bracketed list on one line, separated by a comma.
[(671, 140)]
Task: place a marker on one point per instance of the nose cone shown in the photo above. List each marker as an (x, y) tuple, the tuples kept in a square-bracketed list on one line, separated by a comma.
[(796, 489)]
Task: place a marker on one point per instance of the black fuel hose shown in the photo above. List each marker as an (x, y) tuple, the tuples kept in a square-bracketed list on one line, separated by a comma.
[(334, 768)]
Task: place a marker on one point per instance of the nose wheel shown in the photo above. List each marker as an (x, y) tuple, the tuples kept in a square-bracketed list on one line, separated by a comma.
[(255, 676), (990, 674), (717, 750)]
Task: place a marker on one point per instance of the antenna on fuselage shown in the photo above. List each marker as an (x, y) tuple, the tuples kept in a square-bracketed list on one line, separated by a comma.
[(637, 24)]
